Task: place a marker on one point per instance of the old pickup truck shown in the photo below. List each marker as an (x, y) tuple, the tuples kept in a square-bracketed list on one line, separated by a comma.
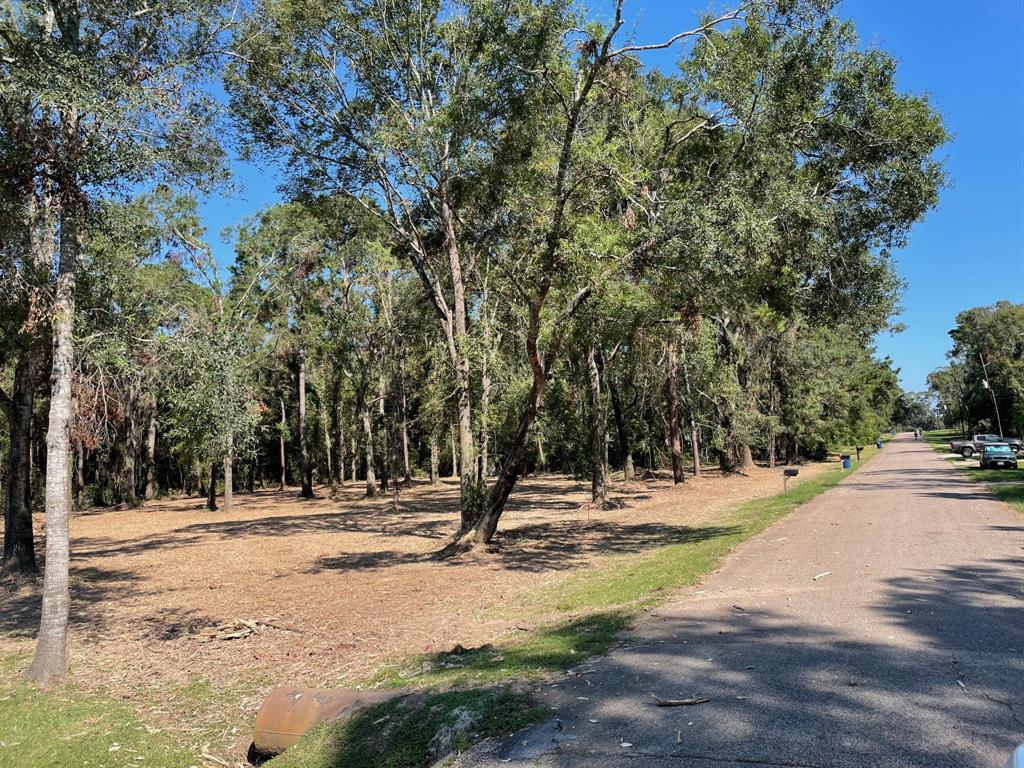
[(968, 448)]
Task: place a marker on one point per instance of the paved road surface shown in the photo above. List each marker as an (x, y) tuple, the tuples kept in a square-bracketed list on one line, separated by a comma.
[(910, 652)]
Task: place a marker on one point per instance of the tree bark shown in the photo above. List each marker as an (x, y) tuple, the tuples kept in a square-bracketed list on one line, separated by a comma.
[(353, 458), (250, 481), (307, 472), (598, 490), (434, 462), (675, 440), (150, 490), (284, 426), (49, 666), (19, 544)]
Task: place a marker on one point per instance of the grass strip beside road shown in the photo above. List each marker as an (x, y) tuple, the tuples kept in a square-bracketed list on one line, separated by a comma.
[(597, 605)]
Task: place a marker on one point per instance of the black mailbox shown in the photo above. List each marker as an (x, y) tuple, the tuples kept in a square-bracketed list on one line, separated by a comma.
[(790, 472)]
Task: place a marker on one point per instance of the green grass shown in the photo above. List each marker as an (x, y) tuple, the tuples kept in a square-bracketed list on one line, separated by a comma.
[(597, 604), (66, 727), (1011, 494), (413, 732)]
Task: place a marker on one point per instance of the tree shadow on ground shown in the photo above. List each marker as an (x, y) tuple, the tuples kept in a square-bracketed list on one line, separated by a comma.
[(555, 546), (944, 690), (91, 588)]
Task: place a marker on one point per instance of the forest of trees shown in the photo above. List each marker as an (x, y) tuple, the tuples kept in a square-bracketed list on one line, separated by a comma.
[(982, 387), (506, 245)]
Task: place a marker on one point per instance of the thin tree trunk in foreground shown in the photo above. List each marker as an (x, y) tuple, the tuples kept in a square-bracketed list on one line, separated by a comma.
[(49, 666), (405, 443), (675, 440), (19, 545)]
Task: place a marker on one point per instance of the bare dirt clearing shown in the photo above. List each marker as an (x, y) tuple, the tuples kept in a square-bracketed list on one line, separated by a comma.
[(314, 592)]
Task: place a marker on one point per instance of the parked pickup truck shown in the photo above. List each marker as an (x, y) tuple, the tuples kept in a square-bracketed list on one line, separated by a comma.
[(968, 448)]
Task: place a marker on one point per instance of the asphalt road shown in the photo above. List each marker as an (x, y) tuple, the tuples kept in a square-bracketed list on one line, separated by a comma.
[(880, 625)]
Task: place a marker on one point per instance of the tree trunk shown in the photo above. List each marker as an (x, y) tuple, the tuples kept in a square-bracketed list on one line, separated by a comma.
[(371, 478), (675, 440), (49, 666), (250, 481), (434, 462), (19, 545), (625, 451), (211, 490), (307, 472), (150, 490), (598, 491), (746, 457), (471, 497), (284, 427), (353, 457)]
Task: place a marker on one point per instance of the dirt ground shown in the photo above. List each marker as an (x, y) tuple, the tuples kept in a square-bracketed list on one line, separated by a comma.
[(337, 587)]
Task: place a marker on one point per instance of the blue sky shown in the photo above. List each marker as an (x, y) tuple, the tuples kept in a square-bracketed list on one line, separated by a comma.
[(969, 56)]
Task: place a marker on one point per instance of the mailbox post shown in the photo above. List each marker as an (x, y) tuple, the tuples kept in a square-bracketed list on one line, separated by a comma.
[(787, 473)]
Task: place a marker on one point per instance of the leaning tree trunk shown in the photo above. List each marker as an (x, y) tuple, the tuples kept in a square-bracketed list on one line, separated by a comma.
[(211, 491), (675, 440), (598, 490), (150, 490), (283, 427), (50, 663), (307, 471), (19, 547)]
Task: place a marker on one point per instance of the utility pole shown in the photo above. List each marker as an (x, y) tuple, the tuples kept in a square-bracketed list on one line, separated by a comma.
[(991, 392)]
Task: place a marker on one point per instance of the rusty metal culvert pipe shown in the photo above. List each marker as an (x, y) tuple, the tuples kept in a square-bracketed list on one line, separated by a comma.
[(288, 712)]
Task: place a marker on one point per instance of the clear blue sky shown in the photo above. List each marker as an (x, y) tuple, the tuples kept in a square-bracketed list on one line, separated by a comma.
[(969, 56)]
